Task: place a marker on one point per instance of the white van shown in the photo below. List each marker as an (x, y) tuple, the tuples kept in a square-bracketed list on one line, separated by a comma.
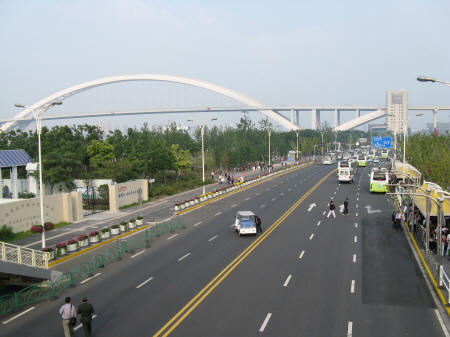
[(244, 223), (346, 174)]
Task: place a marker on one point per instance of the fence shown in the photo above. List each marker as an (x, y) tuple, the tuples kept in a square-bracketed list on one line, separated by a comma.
[(51, 289), (21, 255), (444, 281)]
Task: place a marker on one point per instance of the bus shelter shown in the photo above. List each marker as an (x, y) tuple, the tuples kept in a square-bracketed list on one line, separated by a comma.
[(12, 159)]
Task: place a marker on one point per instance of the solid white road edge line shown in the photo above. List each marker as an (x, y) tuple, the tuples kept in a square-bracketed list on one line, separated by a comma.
[(145, 282), (263, 326), (350, 329), (137, 254), (301, 254), (352, 287), (171, 237), (90, 278), (17, 316), (198, 223), (287, 281), (354, 258), (184, 256), (213, 238), (441, 322)]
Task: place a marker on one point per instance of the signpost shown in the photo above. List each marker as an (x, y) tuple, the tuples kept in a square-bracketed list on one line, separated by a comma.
[(381, 142)]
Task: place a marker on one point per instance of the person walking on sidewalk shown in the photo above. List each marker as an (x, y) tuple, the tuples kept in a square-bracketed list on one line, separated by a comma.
[(398, 220), (346, 206), (332, 208), (67, 311), (85, 309)]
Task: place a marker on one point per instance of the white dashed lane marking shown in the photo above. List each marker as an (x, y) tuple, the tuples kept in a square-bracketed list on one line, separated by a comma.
[(352, 287), (311, 237), (263, 326), (18, 315), (145, 282), (234, 205), (356, 239), (137, 254), (318, 223), (184, 256), (198, 223), (354, 258), (301, 254), (171, 237), (287, 281), (213, 238), (90, 278), (218, 213)]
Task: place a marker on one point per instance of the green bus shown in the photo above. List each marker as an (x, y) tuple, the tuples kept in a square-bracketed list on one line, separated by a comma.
[(362, 160), (379, 180)]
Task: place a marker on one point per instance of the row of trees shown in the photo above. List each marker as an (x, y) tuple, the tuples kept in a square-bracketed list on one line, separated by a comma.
[(431, 156), (85, 152)]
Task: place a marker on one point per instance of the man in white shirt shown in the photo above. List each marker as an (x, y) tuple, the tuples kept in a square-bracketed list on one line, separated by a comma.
[(67, 311)]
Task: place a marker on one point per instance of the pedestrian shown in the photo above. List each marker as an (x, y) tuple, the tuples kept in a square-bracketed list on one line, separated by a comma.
[(232, 180), (85, 309), (332, 208), (212, 175), (346, 206), (398, 220), (67, 312), (258, 224)]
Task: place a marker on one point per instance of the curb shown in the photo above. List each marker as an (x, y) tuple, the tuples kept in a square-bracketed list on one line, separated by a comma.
[(242, 188)]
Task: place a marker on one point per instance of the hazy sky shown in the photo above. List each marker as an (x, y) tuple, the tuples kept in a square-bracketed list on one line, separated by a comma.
[(277, 52)]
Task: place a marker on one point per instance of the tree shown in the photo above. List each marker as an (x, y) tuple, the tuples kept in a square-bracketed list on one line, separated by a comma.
[(183, 159)]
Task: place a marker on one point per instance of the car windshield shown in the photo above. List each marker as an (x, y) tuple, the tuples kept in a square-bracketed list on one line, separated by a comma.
[(343, 164)]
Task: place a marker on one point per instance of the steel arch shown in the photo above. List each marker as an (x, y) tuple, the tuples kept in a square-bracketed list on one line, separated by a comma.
[(38, 107)]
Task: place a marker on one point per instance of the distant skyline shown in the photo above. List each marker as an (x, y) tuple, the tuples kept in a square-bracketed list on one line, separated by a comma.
[(283, 53)]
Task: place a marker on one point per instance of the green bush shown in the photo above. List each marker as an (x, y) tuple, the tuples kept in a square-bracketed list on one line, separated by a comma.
[(6, 233)]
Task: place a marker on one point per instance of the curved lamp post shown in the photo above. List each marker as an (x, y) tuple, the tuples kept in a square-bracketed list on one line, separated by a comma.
[(431, 79), (38, 131)]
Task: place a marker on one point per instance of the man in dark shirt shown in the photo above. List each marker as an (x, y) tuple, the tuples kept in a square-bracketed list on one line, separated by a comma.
[(86, 310)]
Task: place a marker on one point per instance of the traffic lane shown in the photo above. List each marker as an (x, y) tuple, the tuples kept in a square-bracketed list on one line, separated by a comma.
[(123, 281), (257, 284), (392, 283)]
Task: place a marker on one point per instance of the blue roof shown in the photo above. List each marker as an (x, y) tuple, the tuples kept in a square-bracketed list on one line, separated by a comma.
[(11, 158)]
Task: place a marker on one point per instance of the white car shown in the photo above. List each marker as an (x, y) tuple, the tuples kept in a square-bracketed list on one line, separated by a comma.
[(244, 223)]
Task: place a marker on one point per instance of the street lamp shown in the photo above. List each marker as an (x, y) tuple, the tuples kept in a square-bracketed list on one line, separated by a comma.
[(269, 149), (296, 132), (431, 79), (315, 150), (202, 128), (38, 131)]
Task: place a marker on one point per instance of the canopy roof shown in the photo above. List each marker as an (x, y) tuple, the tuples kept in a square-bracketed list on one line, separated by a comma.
[(410, 171), (436, 192), (14, 158)]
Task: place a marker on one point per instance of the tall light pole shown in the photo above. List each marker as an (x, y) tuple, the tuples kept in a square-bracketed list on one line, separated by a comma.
[(202, 132), (315, 150), (296, 132), (431, 79), (322, 142), (269, 149), (38, 131)]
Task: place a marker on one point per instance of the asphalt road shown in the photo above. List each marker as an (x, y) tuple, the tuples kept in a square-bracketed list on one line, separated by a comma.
[(305, 275)]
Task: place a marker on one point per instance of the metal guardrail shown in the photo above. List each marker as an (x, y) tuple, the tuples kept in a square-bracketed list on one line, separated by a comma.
[(25, 256), (444, 281), (51, 289)]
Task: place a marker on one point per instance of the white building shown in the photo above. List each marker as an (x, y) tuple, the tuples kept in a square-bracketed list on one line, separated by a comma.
[(397, 111)]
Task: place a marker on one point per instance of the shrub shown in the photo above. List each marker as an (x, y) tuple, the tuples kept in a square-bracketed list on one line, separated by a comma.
[(93, 233), (82, 237), (48, 249), (139, 217), (115, 226), (6, 233), (61, 245), (132, 220), (71, 241), (105, 230), (36, 229), (123, 223), (49, 226)]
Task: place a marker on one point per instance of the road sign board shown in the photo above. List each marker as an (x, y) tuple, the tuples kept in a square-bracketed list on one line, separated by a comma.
[(151, 180), (381, 142)]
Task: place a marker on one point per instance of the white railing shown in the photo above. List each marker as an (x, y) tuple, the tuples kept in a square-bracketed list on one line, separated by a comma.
[(21, 255), (444, 281)]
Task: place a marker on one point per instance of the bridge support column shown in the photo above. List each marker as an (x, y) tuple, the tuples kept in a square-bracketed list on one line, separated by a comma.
[(358, 113), (435, 111), (315, 119), (14, 191), (337, 118), (292, 115), (297, 117)]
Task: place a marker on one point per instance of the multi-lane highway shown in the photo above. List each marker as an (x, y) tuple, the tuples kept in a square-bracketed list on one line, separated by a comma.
[(305, 275)]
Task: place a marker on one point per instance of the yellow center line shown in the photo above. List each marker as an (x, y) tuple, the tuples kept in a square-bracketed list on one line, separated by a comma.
[(197, 299)]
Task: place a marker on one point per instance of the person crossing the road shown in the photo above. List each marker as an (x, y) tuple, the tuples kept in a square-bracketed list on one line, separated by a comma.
[(346, 206), (67, 312), (258, 224), (85, 309), (332, 207)]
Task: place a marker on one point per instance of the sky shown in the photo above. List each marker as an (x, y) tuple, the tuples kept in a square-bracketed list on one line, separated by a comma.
[(277, 52)]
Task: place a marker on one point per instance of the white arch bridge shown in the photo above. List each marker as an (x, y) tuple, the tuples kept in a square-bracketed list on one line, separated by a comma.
[(38, 109)]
